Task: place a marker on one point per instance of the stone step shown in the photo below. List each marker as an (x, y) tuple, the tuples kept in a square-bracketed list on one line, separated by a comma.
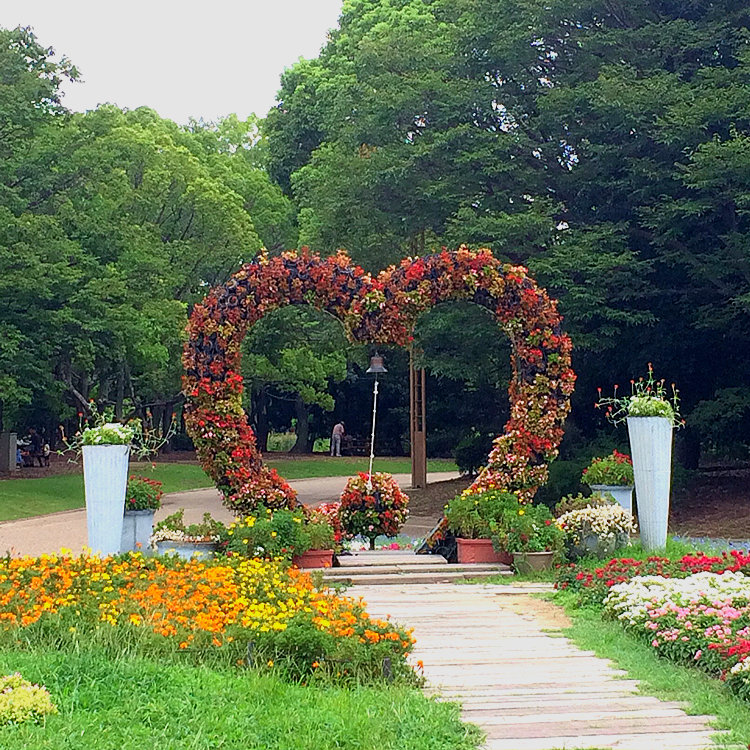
[(383, 579), (444, 567), (388, 557)]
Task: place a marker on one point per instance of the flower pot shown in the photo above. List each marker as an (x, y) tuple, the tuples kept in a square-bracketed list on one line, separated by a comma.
[(105, 477), (531, 562), (137, 527), (314, 558), (605, 546), (622, 493), (651, 448), (480, 551), (186, 550)]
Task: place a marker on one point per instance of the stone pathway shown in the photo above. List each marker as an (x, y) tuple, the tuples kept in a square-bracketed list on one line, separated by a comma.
[(526, 686)]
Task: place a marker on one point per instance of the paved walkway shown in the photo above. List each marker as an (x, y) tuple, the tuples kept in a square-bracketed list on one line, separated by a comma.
[(50, 533), (526, 686)]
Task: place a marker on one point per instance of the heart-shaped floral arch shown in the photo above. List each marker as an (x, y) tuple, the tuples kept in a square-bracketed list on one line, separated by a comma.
[(381, 310)]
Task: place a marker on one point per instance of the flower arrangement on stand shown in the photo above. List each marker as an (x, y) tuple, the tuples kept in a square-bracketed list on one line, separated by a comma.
[(378, 510), (106, 446), (651, 413)]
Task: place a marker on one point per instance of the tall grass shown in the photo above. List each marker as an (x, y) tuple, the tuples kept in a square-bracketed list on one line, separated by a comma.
[(134, 703)]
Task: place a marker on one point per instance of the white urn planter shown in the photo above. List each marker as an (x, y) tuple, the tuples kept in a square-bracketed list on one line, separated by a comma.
[(622, 493), (651, 449), (105, 477)]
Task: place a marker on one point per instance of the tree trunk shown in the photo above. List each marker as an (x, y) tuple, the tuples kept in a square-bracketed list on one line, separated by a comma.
[(303, 426), (120, 397)]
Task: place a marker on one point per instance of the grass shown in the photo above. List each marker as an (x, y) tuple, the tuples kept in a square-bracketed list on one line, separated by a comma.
[(134, 703), (661, 678), (23, 498)]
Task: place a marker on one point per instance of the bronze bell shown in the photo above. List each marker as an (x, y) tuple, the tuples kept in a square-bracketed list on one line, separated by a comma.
[(376, 364)]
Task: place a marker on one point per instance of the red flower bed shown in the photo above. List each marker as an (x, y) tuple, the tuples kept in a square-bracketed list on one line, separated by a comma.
[(594, 585), (381, 310)]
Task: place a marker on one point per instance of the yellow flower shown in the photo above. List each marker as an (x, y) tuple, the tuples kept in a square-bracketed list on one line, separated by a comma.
[(521, 512)]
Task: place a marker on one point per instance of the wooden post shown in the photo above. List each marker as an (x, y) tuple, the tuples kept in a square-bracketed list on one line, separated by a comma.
[(417, 424)]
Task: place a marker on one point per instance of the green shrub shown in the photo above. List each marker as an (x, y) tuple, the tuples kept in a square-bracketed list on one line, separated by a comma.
[(470, 516), (279, 533), (20, 701), (472, 451), (579, 502)]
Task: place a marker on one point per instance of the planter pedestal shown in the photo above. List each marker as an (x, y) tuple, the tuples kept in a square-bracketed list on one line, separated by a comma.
[(314, 558), (532, 562), (480, 551), (105, 477), (623, 495), (186, 550), (137, 527), (651, 448)]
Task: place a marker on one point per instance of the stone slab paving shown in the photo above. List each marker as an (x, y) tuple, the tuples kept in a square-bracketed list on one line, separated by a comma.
[(527, 687)]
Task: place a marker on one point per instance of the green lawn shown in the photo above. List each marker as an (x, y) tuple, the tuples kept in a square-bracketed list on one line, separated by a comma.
[(22, 498), (133, 703), (701, 693)]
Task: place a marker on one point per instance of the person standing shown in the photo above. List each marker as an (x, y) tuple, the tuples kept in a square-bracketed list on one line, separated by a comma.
[(336, 435), (35, 447)]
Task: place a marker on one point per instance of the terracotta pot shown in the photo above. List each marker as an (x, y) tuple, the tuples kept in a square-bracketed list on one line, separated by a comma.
[(531, 562), (480, 551), (314, 558)]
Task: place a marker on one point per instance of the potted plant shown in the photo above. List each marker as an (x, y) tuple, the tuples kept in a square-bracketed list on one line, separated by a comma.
[(318, 539), (532, 536), (305, 538), (142, 500), (173, 536), (596, 530), (469, 518), (106, 446), (373, 508), (612, 475), (651, 414)]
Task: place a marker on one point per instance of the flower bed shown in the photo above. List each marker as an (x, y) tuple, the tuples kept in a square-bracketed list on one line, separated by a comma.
[(157, 606), (703, 619), (593, 585)]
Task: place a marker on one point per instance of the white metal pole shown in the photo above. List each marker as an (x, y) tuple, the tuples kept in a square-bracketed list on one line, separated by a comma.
[(372, 436)]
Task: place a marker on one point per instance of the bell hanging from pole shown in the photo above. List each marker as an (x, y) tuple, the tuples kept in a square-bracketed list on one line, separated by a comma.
[(376, 365)]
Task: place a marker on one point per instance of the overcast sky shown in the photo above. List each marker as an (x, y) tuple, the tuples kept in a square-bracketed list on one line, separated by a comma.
[(181, 57)]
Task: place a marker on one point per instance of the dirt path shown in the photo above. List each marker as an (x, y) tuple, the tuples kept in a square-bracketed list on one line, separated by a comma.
[(67, 530)]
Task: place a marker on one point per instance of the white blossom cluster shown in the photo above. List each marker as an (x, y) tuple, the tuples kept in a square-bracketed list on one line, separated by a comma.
[(608, 522), (111, 433), (634, 601)]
